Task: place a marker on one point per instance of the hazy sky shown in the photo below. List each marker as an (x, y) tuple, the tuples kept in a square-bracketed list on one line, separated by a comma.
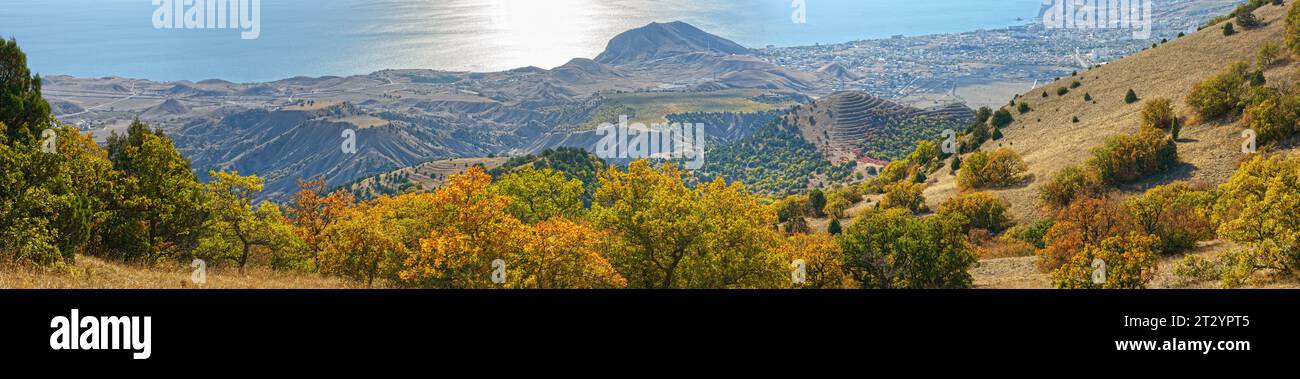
[(343, 37)]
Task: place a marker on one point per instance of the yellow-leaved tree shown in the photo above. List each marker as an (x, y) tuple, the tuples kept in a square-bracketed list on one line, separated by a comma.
[(667, 235)]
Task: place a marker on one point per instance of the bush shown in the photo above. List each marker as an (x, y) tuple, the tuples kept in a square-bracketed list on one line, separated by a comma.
[(1023, 108), (1292, 39), (1130, 97), (1228, 30), (817, 202), (1061, 91), (1127, 158), (1197, 268), (1001, 168), (1157, 113), (1259, 208), (1247, 20), (1085, 222), (1032, 234), (822, 260), (1268, 54), (1220, 95), (906, 195), (1272, 115), (1128, 262), (980, 210), (1002, 118), (892, 249), (1176, 213), (836, 204), (1070, 183)]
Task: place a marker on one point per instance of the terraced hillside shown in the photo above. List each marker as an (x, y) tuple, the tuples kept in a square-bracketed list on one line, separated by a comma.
[(849, 125)]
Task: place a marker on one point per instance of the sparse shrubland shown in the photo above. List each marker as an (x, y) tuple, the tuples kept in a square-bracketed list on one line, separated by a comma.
[(1000, 168)]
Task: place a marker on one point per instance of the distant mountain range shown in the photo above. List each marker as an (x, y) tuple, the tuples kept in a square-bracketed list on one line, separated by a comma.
[(292, 129)]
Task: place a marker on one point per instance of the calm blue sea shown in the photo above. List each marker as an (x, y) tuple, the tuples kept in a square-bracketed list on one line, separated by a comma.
[(93, 38)]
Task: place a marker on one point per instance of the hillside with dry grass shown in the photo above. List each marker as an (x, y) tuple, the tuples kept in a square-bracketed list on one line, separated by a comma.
[(1049, 139), (90, 272), (1062, 129)]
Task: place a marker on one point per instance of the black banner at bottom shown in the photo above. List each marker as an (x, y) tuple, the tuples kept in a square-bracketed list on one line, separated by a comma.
[(149, 328)]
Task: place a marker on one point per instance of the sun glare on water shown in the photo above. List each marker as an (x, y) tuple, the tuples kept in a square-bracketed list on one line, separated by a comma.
[(546, 33)]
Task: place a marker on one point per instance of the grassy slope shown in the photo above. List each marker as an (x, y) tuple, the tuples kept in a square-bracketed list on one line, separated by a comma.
[(96, 273), (1210, 150)]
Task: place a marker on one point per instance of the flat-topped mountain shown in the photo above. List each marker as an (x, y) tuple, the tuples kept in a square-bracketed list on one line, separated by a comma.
[(659, 40)]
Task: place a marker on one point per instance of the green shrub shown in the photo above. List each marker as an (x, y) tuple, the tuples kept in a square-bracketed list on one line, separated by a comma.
[(1070, 183), (1222, 94), (1268, 54), (1129, 262), (1129, 157), (1032, 234), (1157, 113), (979, 210), (1001, 168), (1002, 118), (891, 248), (1176, 213)]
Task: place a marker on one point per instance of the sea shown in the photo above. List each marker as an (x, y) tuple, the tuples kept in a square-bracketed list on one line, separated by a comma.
[(99, 38)]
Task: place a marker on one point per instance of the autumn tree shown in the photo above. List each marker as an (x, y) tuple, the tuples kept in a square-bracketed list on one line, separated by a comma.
[(1071, 183), (891, 248), (1221, 95), (541, 194), (979, 210), (1127, 158), (559, 253), (470, 229), (667, 235), (312, 211), (1085, 222), (1120, 262), (1157, 113), (236, 227), (1273, 115), (359, 245), (1000, 168), (1259, 208), (905, 195), (53, 203), (820, 255), (1176, 213), (160, 210)]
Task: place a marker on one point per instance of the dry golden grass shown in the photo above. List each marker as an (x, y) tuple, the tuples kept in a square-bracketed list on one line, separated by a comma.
[(96, 273), (1001, 248)]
